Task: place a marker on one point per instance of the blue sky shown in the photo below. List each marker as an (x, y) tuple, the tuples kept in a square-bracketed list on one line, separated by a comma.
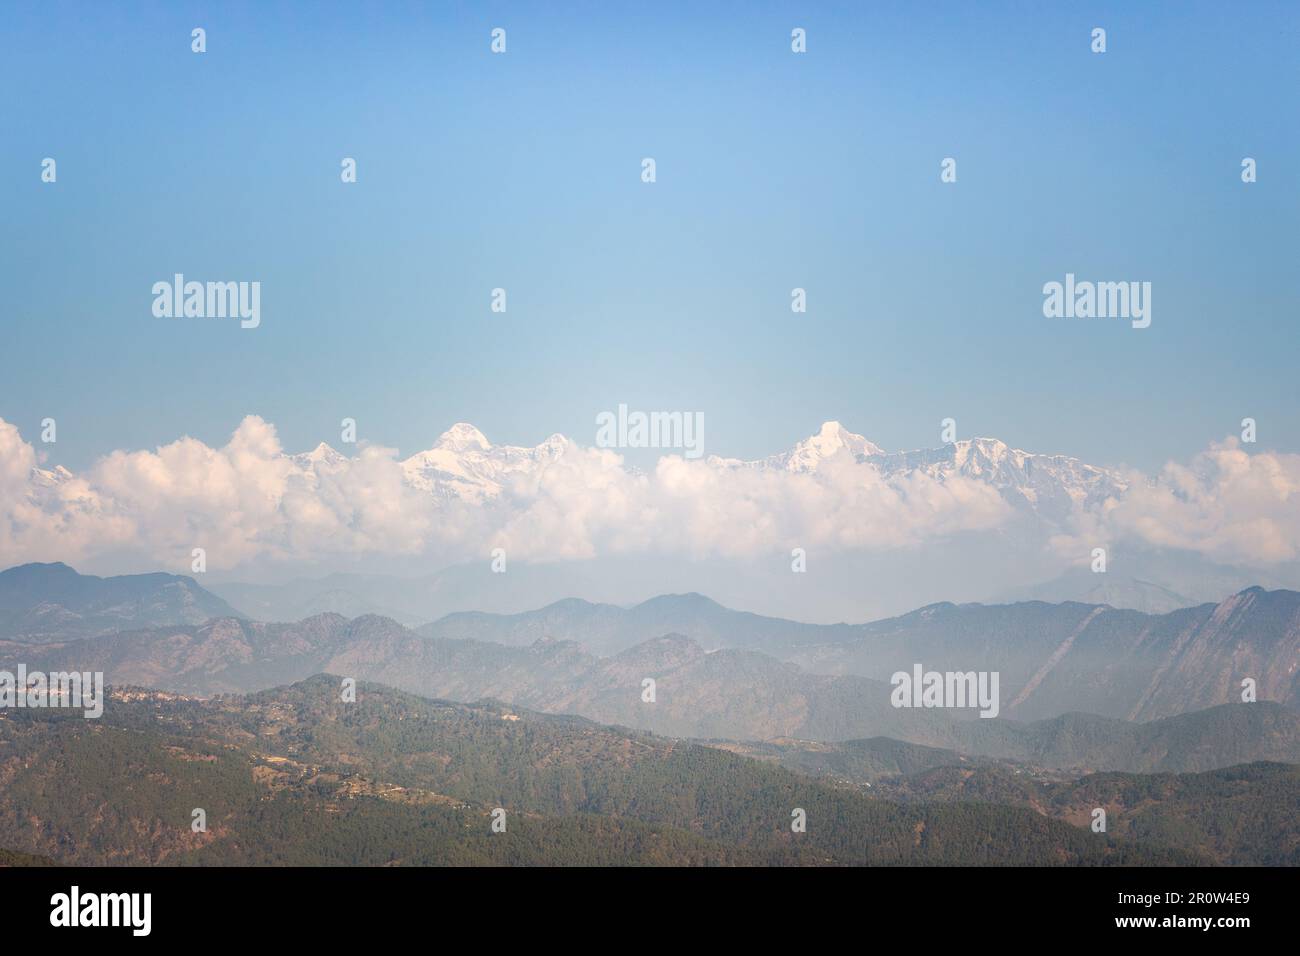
[(775, 170)]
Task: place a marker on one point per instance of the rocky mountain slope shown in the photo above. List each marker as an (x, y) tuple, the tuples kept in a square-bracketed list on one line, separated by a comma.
[(1091, 658)]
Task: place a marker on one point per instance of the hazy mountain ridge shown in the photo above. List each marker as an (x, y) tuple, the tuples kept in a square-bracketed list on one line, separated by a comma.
[(1051, 658), (730, 694), (1204, 740), (1153, 582), (725, 693), (40, 602), (608, 629)]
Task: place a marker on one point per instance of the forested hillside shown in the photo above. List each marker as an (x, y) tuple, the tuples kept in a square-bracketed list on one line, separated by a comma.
[(296, 775)]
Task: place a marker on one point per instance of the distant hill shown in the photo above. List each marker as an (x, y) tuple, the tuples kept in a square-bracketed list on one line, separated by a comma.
[(52, 602), (607, 629), (1116, 590), (1242, 815), (1245, 815), (352, 595), (863, 762), (1248, 814), (1154, 581), (1203, 740), (296, 776), (1223, 736)]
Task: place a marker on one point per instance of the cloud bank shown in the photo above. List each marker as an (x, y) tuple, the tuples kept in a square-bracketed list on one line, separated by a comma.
[(248, 500)]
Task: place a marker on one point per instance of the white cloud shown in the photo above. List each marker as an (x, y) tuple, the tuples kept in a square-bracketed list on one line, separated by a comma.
[(1228, 505), (248, 500)]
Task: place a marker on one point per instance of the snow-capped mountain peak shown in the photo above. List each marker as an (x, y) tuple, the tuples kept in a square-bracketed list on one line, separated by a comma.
[(1051, 485), (830, 440), (464, 464), (324, 452), (463, 437), (554, 445), (320, 457), (832, 437), (52, 477), (973, 455)]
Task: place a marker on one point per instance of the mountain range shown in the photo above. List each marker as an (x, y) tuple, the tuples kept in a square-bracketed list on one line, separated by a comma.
[(728, 693), (463, 464), (1052, 658), (544, 712)]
